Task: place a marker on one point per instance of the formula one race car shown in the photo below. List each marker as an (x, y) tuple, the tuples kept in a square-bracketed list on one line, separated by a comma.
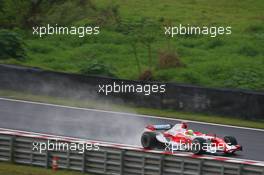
[(179, 138)]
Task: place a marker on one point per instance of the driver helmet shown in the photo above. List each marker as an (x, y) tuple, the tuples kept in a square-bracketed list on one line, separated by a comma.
[(189, 132), (184, 125)]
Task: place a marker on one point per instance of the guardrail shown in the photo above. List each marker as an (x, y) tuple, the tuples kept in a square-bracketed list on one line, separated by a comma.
[(17, 147)]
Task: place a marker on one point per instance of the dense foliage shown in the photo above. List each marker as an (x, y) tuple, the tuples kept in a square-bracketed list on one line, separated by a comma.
[(132, 39), (11, 45)]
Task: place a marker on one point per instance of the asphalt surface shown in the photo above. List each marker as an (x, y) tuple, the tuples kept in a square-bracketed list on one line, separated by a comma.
[(110, 126)]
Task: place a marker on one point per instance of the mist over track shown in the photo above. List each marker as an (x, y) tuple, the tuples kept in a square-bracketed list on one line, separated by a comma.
[(110, 126)]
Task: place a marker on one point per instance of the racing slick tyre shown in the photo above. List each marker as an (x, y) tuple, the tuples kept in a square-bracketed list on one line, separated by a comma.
[(230, 140), (197, 146), (148, 140)]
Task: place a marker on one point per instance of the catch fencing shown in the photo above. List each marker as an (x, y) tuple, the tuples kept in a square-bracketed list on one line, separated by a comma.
[(113, 159)]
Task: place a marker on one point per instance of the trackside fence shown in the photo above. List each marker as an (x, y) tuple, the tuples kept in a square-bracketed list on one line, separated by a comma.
[(113, 160)]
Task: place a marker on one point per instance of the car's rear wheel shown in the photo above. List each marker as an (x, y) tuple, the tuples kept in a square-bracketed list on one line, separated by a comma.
[(230, 140), (148, 140), (198, 146)]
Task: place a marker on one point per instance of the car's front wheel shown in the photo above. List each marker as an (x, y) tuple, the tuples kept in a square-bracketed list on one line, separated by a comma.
[(198, 146), (230, 140)]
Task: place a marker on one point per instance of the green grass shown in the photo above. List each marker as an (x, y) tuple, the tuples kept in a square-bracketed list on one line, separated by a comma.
[(234, 61), (15, 169), (104, 105)]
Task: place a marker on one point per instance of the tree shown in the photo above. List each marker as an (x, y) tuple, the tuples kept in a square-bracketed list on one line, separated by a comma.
[(19, 13), (147, 37), (148, 40), (131, 30), (1, 6), (134, 45), (31, 16)]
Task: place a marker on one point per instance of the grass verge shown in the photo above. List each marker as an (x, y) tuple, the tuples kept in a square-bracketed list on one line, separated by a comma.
[(227, 120), (14, 169)]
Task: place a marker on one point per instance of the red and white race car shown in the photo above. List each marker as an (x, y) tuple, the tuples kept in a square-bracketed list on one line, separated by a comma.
[(180, 138)]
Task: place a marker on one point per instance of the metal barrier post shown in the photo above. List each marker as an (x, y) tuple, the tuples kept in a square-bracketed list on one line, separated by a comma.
[(122, 154), (47, 159), (161, 164), (12, 148), (68, 159), (182, 166), (84, 161), (105, 161), (222, 170), (200, 171), (143, 164)]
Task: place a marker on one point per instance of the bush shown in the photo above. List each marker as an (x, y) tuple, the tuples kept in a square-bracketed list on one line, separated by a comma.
[(11, 45), (109, 16), (215, 43), (191, 77), (98, 68), (255, 29), (40, 48), (248, 51), (246, 78), (168, 59), (164, 75), (146, 75)]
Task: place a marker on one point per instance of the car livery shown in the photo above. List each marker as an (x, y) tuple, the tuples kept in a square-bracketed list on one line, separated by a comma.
[(180, 138)]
